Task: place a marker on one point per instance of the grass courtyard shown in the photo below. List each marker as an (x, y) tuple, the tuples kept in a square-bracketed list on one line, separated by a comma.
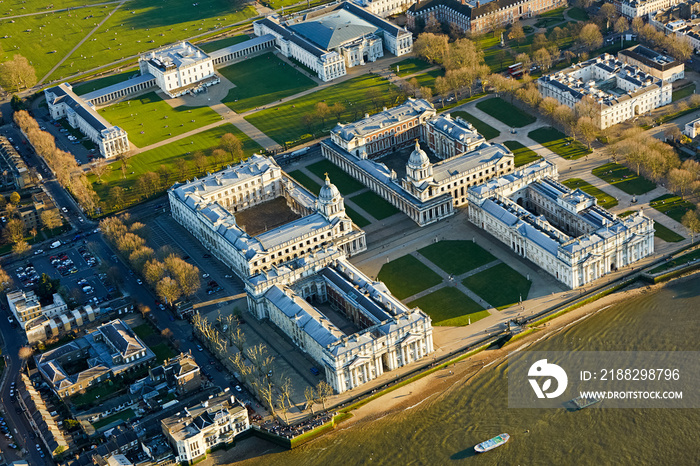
[(149, 119), (623, 178), (121, 415), (374, 205), (605, 200), (280, 80), (306, 181), (522, 154), (559, 143), (345, 183), (505, 112), (683, 92), (287, 123), (215, 45), (500, 285), (450, 307), (407, 276), (357, 219), (457, 257), (487, 131), (666, 234), (410, 66), (672, 205), (428, 79)]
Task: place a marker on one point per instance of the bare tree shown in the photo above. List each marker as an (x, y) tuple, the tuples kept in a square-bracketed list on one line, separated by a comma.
[(324, 391), (516, 33), (25, 352), (590, 37), (621, 25), (168, 289), (21, 248), (431, 47), (338, 109), (17, 74), (691, 221), (310, 396), (237, 338), (50, 219), (99, 170), (322, 111), (232, 145)]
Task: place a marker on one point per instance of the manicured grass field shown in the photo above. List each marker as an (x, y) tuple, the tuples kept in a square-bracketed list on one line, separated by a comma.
[(578, 13), (143, 331), (487, 131), (683, 92), (374, 205), (605, 200), (162, 351), (99, 83), (522, 154), (559, 143), (149, 119), (252, 91), (505, 112), (306, 181), (450, 307), (457, 257), (16, 7), (672, 205), (684, 259), (623, 178), (407, 276), (666, 234), (121, 415), (358, 219), (428, 79), (410, 66), (166, 156), (345, 183), (285, 122), (215, 45), (500, 286)]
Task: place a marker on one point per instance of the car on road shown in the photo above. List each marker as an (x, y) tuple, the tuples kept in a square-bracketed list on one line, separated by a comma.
[(228, 276), (64, 210), (206, 275), (10, 320), (139, 281), (39, 251), (199, 348), (314, 371), (161, 306), (38, 447), (238, 388)]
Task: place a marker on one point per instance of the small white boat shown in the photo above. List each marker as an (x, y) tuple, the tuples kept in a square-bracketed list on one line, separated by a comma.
[(490, 444)]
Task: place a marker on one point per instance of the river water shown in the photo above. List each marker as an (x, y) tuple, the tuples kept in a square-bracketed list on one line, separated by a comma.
[(443, 429)]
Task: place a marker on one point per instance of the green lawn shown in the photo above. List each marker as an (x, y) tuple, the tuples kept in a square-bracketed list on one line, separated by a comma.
[(522, 154), (306, 181), (666, 234), (428, 79), (162, 351), (487, 131), (143, 331), (374, 205), (500, 286), (623, 178), (215, 45), (149, 119), (672, 205), (285, 123), (410, 66), (578, 14), (345, 183), (358, 219), (450, 307), (684, 259), (605, 200), (166, 156), (99, 83), (280, 80), (121, 415), (683, 92), (505, 112), (457, 257), (559, 143), (407, 276)]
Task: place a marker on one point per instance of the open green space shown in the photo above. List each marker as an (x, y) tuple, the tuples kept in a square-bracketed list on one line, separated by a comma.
[(165, 159), (428, 79), (306, 181), (410, 66), (23, 7), (457, 257), (99, 83), (143, 331), (500, 285), (121, 415), (666, 234), (357, 219), (215, 45), (605, 200), (505, 112), (450, 307), (672, 205), (149, 119), (251, 91), (374, 205), (623, 178), (627, 213), (487, 131), (289, 123), (486, 40), (345, 183), (522, 154), (683, 92), (676, 261), (407, 276), (578, 14), (559, 143), (162, 351)]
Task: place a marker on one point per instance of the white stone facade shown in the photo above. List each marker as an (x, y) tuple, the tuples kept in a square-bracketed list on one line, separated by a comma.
[(692, 128), (649, 61), (642, 8), (179, 68), (384, 8), (562, 231)]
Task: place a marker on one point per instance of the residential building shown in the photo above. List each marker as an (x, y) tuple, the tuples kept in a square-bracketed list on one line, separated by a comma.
[(618, 91), (180, 372), (475, 16), (25, 306), (642, 8), (45, 422), (15, 174), (425, 191), (197, 429), (681, 19), (692, 128), (330, 39), (111, 349), (209, 207), (652, 62), (64, 103), (30, 213), (563, 231)]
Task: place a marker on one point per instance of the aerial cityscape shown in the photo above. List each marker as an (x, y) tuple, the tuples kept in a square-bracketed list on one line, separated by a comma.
[(315, 232)]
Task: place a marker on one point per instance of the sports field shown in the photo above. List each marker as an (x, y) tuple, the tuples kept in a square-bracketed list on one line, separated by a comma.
[(149, 119), (280, 80)]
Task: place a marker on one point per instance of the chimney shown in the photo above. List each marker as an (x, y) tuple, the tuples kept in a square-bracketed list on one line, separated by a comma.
[(478, 4)]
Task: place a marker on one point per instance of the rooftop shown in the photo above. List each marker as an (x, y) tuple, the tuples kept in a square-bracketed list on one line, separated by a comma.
[(388, 117), (170, 57)]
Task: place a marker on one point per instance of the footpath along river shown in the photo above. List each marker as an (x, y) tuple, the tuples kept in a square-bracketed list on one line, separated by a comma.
[(444, 428)]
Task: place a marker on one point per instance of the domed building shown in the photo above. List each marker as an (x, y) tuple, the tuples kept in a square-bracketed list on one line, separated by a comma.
[(330, 202)]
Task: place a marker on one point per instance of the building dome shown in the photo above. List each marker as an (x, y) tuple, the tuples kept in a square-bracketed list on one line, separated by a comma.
[(418, 158), (328, 192)]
